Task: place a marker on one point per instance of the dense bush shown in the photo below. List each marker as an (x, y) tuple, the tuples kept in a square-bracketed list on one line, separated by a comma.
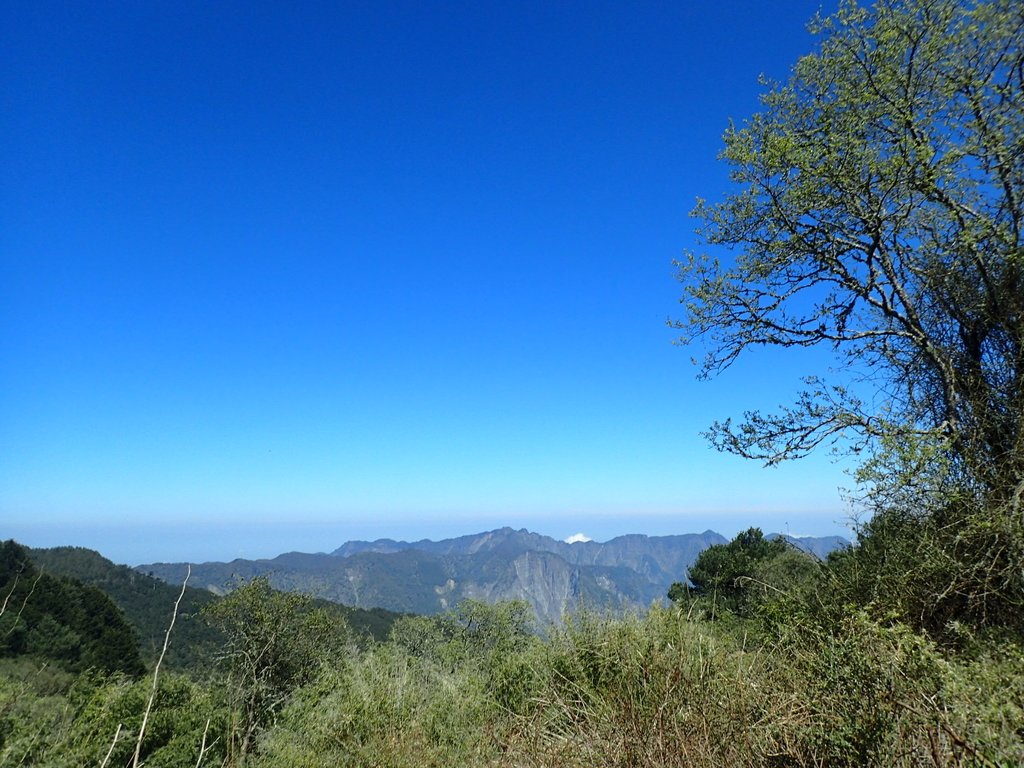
[(955, 570), (387, 708), (97, 718), (274, 643), (740, 576), (796, 684)]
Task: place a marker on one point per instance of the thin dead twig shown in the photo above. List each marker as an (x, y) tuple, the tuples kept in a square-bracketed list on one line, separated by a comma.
[(156, 673)]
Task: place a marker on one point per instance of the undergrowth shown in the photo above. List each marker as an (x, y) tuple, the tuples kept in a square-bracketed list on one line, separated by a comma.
[(659, 690)]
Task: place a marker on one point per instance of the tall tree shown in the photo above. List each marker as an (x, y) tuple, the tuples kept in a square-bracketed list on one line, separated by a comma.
[(879, 213)]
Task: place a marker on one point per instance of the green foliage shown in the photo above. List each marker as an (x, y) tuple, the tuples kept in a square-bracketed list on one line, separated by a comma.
[(879, 214), (796, 685), (875, 692), (62, 620), (145, 602), (100, 714), (371, 623), (182, 713), (492, 641), (847, 691), (386, 708), (275, 642), (743, 573), (473, 631), (866, 683), (724, 567), (984, 697), (954, 570), (881, 195), (659, 691), (440, 693)]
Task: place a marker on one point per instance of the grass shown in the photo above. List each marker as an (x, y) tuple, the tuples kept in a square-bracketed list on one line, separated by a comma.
[(788, 687)]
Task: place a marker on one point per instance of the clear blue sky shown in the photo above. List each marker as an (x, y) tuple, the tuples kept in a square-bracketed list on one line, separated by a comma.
[(278, 275)]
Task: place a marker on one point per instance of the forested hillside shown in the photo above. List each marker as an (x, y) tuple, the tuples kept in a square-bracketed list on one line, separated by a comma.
[(61, 620), (878, 215), (144, 601), (760, 661)]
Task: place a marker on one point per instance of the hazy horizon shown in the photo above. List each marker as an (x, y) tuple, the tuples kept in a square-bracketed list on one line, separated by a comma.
[(226, 541), (276, 275)]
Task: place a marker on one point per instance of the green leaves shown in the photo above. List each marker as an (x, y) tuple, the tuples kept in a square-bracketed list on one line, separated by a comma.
[(749, 569), (61, 620), (879, 211), (275, 642)]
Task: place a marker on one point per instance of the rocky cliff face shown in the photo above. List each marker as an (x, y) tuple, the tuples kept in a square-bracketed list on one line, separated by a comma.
[(628, 572)]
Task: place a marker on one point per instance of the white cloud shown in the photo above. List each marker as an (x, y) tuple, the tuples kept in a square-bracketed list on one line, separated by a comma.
[(578, 537)]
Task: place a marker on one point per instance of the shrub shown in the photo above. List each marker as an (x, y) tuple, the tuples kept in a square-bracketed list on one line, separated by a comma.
[(385, 707)]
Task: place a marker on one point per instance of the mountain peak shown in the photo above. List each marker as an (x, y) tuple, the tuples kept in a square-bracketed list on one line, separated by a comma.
[(626, 573), (578, 538)]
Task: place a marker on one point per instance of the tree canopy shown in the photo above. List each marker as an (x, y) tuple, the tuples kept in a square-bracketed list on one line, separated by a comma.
[(274, 643), (879, 212), (736, 575), (60, 619)]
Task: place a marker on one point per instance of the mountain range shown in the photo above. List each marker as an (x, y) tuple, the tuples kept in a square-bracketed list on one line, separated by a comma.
[(426, 577)]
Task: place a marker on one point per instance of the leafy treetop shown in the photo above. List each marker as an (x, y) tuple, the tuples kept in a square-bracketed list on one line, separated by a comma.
[(879, 212)]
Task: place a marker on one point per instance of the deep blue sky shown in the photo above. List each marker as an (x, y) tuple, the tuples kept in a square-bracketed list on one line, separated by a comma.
[(278, 275)]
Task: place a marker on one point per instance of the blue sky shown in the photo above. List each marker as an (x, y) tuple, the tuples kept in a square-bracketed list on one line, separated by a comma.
[(274, 276)]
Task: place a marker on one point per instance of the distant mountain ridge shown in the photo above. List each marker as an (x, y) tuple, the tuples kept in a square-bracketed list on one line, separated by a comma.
[(656, 557), (624, 573)]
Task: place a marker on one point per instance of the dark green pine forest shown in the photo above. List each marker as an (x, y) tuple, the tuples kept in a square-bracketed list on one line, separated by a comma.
[(62, 620), (877, 212)]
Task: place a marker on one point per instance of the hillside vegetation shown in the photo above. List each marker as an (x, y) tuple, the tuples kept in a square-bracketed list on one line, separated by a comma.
[(880, 215), (761, 660)]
